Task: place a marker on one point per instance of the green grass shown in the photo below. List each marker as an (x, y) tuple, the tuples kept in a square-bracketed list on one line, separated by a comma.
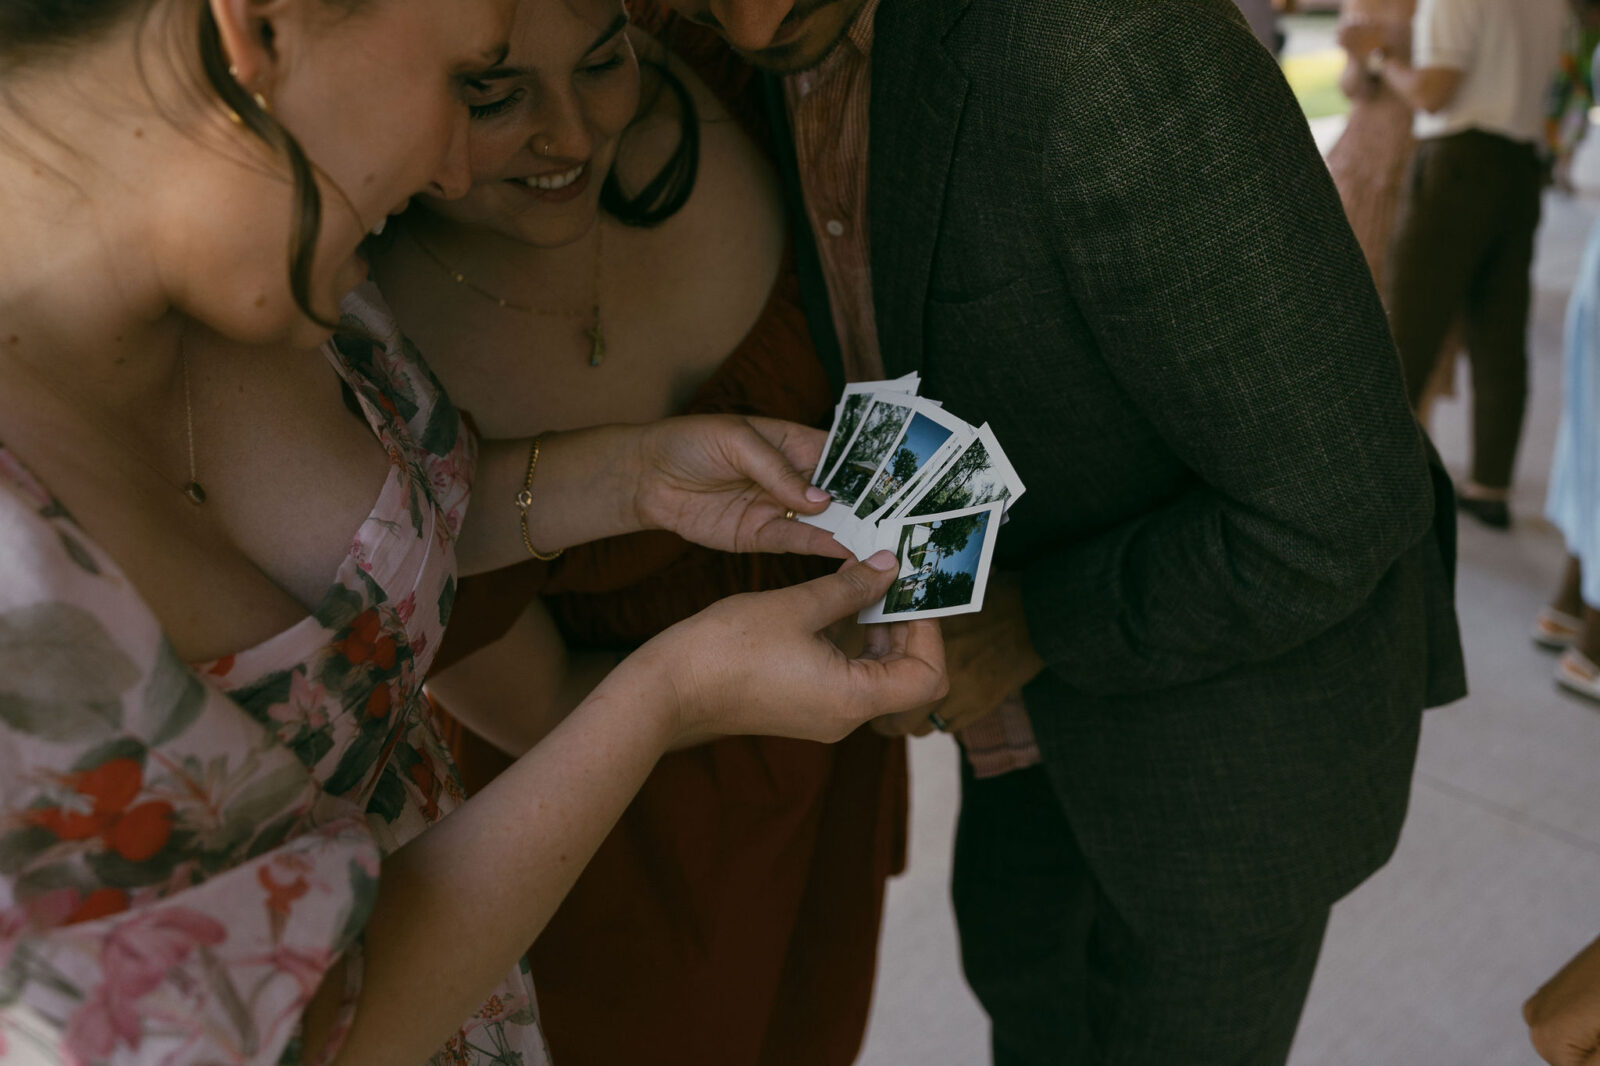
[(1314, 77)]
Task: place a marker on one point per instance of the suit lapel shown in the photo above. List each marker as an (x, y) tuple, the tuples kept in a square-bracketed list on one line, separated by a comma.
[(918, 95)]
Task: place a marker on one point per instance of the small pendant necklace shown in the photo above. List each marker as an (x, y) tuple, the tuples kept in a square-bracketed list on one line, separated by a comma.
[(192, 490), (595, 334)]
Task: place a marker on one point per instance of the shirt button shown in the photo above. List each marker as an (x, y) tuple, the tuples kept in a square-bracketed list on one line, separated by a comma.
[(835, 228)]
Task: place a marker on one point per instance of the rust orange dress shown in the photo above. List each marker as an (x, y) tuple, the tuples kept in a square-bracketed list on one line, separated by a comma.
[(732, 917)]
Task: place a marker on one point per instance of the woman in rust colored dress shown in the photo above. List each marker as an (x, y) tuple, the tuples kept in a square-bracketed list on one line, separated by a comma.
[(625, 235)]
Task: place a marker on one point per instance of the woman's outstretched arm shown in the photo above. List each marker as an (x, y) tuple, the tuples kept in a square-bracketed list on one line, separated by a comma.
[(719, 480), (457, 906)]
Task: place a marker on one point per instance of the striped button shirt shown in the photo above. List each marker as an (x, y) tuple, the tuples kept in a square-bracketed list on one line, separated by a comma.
[(828, 112)]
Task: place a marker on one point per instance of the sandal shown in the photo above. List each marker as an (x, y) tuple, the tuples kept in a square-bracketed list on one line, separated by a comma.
[(1578, 674), (1555, 630)]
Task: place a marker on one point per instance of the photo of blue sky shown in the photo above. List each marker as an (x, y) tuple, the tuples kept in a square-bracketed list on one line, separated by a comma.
[(938, 564), (965, 561), (923, 437)]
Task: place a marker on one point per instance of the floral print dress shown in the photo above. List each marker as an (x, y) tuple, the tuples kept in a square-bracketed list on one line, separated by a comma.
[(187, 850)]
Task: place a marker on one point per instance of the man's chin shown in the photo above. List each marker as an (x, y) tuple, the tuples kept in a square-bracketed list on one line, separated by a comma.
[(802, 54), (788, 59)]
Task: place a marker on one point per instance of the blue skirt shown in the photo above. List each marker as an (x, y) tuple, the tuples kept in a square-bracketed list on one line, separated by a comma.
[(1574, 500)]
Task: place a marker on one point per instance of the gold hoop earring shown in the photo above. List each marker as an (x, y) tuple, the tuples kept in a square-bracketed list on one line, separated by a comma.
[(261, 102)]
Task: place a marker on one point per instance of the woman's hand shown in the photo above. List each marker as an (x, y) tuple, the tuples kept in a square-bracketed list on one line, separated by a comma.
[(718, 480), (762, 664), (989, 656), (729, 483), (1361, 36)]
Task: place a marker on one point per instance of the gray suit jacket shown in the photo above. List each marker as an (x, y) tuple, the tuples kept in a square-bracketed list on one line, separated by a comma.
[(1102, 226)]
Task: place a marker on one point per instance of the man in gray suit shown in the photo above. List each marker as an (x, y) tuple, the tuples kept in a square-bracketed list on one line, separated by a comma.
[(1102, 227)]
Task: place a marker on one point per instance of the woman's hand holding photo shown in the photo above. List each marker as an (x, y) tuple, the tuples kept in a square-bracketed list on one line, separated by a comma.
[(734, 484), (763, 663), (721, 481)]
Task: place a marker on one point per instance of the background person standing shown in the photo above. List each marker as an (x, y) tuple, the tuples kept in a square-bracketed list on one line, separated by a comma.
[(1262, 15), (1478, 81)]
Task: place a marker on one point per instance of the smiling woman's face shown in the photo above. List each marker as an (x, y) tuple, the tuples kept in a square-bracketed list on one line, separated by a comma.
[(387, 116), (545, 136)]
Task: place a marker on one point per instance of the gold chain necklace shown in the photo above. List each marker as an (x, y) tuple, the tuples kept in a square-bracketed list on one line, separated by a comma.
[(595, 334), (192, 490)]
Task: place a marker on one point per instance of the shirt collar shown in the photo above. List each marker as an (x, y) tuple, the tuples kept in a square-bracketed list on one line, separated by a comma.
[(860, 32), (853, 50)]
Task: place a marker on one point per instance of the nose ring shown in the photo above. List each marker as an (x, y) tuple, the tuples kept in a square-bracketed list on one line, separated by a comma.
[(541, 145)]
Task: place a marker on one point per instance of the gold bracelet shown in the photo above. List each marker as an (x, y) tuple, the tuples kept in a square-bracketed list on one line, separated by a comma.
[(525, 500)]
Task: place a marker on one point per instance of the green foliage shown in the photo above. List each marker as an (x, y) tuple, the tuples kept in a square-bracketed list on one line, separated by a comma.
[(947, 590), (904, 465), (854, 407), (952, 535), (953, 491)]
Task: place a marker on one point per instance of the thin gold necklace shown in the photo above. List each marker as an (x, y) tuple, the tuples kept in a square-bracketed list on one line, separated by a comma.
[(595, 334), (192, 490)]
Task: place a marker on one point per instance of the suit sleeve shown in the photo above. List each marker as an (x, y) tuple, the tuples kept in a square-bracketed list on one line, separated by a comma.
[(1205, 244)]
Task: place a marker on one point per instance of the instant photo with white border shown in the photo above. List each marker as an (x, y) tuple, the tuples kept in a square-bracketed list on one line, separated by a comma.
[(876, 436), (909, 539), (925, 501), (931, 415), (842, 431), (861, 536)]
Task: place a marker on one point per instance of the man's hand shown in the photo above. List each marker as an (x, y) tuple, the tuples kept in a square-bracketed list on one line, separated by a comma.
[(1564, 1016), (988, 656)]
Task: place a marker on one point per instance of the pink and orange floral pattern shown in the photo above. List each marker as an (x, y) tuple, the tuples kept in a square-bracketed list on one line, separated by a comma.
[(188, 850)]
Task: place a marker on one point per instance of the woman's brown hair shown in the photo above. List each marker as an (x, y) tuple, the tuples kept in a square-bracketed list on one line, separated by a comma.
[(28, 27)]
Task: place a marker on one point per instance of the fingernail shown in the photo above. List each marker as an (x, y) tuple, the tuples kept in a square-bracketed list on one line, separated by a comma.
[(884, 560), (816, 495)]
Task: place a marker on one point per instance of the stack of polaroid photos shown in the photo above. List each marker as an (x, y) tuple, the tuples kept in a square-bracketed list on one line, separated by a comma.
[(908, 476)]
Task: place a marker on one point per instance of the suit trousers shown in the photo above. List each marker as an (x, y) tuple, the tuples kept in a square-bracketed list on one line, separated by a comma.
[(1069, 980), (1464, 249)]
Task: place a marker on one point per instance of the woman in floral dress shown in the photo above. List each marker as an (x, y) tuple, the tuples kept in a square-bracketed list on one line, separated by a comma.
[(215, 769)]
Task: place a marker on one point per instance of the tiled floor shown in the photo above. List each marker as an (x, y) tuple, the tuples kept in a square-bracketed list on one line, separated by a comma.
[(1497, 879)]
